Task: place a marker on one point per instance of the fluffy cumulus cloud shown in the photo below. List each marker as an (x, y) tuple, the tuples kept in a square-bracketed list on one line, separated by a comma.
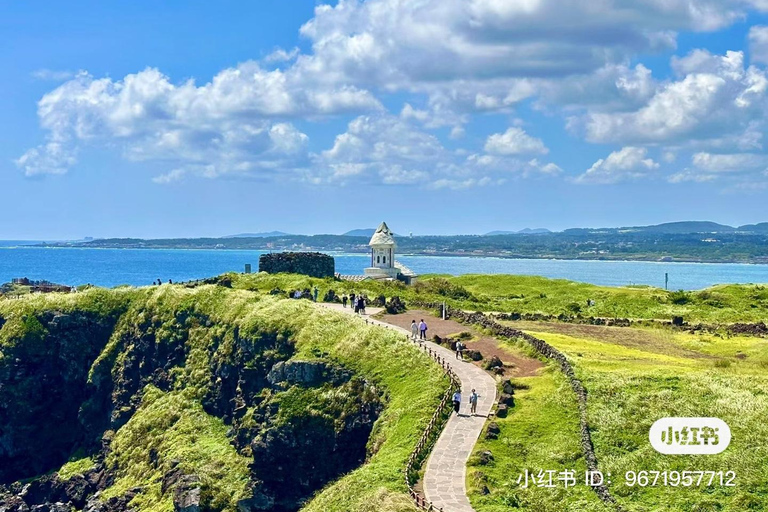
[(439, 40), (515, 142), (237, 123), (454, 61), (627, 163), (396, 151), (714, 97), (758, 44)]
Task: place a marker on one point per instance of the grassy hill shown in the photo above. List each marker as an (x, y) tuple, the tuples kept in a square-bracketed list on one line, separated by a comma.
[(149, 396)]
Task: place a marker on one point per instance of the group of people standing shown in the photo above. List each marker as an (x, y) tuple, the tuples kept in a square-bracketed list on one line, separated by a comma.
[(473, 397), (355, 301), (312, 294)]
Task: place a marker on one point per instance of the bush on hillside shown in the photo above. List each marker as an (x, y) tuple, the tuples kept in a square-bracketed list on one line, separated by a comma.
[(443, 287)]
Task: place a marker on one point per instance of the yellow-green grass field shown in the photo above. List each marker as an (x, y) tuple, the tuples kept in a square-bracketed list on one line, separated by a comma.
[(651, 374)]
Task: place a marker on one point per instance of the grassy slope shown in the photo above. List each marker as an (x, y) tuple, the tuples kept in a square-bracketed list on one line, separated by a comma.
[(630, 388), (531, 294), (541, 432), (175, 425)]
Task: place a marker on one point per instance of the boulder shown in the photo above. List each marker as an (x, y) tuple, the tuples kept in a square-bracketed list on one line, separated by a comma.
[(186, 496), (501, 411), (507, 400), (493, 362), (474, 355), (485, 458), (493, 431)]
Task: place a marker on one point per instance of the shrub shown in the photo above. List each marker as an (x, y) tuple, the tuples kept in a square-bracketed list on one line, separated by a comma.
[(680, 297), (443, 287)]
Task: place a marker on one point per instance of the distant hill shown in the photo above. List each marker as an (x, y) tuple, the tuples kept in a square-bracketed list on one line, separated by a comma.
[(366, 232), (526, 231), (258, 235), (667, 228), (762, 227), (361, 232), (688, 227)]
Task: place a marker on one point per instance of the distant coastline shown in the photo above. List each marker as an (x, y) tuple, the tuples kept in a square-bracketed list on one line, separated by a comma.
[(612, 258)]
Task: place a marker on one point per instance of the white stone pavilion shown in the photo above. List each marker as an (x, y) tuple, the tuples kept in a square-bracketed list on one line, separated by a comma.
[(383, 262)]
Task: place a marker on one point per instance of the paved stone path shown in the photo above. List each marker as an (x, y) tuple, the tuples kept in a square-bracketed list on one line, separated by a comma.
[(446, 471)]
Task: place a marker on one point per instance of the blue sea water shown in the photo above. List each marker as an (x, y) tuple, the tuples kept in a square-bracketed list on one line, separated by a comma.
[(112, 267)]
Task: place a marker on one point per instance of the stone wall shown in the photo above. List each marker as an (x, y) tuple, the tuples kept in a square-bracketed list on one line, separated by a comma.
[(313, 264)]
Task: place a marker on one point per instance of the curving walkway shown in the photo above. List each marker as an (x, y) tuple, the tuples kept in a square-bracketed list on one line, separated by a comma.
[(446, 471)]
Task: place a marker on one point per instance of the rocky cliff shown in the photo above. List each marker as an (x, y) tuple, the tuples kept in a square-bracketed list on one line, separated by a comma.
[(171, 399)]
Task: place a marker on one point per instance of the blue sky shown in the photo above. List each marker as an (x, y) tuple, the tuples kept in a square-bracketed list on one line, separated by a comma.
[(187, 118)]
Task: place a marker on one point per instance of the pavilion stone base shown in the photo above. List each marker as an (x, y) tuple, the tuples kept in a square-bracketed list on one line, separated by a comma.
[(381, 273)]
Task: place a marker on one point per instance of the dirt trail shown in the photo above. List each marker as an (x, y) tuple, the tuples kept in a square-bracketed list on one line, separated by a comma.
[(516, 365)]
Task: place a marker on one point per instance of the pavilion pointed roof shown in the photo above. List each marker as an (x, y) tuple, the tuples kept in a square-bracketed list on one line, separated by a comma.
[(382, 236)]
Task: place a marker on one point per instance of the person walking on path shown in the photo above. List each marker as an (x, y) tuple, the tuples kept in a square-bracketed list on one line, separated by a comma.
[(459, 348), (356, 302), (353, 301), (422, 330), (414, 330), (314, 294), (344, 299), (473, 402), (362, 304), (457, 401)]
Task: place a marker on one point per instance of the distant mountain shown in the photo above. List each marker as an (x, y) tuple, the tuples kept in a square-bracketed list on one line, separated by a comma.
[(258, 235), (667, 228), (368, 232), (762, 227), (526, 231), (688, 227)]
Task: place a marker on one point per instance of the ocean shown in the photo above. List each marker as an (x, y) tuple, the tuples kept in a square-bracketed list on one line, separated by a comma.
[(113, 267)]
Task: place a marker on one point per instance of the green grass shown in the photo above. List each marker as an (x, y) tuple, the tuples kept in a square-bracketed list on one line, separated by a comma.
[(174, 424), (540, 433), (630, 388), (178, 429), (532, 294)]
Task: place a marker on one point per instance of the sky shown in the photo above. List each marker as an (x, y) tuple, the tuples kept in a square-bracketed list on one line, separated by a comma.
[(191, 118)]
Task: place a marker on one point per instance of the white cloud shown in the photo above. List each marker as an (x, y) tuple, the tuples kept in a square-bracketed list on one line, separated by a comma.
[(50, 158), (514, 142), (225, 126), (392, 150), (281, 55), (445, 40), (758, 44), (734, 162), (715, 98), (381, 149), (690, 175), (169, 177), (627, 163), (52, 75)]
